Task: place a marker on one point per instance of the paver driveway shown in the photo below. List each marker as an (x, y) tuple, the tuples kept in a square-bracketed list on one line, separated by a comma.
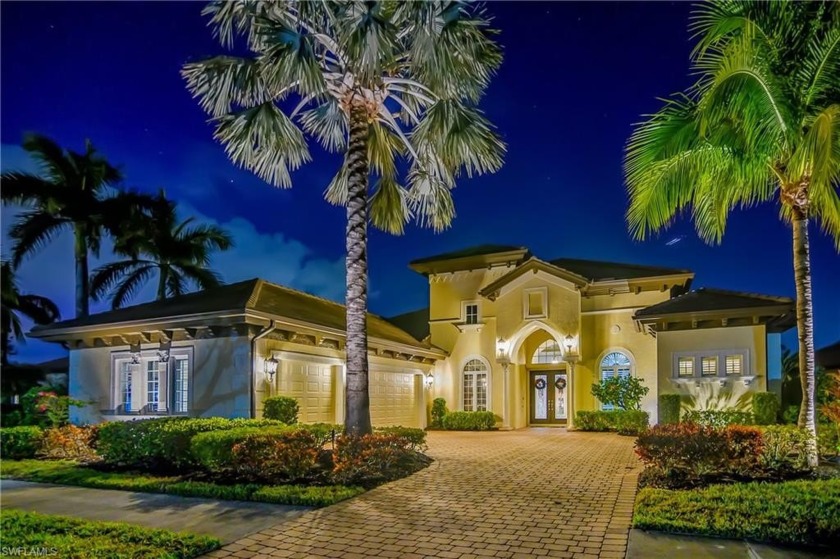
[(535, 492)]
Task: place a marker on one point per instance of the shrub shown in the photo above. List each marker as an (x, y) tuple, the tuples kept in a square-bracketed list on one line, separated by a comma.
[(161, 444), (625, 422), (281, 408), (469, 421), (696, 453), (785, 451), (415, 438), (828, 439), (793, 512), (369, 459), (439, 411), (623, 392), (69, 443), (17, 443), (213, 450), (718, 418), (669, 408), (275, 457), (765, 408), (323, 432)]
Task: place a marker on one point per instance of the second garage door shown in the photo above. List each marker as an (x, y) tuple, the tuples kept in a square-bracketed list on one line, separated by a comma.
[(394, 399)]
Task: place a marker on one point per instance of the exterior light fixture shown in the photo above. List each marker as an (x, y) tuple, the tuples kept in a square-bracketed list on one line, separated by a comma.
[(428, 381), (571, 355), (502, 355), (270, 367), (747, 381), (722, 382)]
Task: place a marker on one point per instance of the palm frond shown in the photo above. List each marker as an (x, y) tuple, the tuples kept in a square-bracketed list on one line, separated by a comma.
[(106, 277), (40, 310), (25, 188), (131, 284), (33, 231), (223, 83)]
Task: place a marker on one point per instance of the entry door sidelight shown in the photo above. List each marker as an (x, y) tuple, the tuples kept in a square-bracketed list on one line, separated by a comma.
[(549, 397)]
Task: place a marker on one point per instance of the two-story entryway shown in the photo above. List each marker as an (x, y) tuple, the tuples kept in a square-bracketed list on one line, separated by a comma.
[(515, 494)]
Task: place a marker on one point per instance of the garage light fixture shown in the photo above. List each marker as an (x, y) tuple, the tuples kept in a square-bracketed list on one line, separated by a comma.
[(428, 380), (270, 367)]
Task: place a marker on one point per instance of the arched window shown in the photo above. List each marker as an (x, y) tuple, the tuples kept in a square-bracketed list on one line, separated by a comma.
[(547, 353), (475, 385), (615, 364)]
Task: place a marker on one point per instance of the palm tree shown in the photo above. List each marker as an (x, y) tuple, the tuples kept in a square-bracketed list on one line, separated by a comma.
[(38, 309), (762, 123), (381, 82), (157, 243), (71, 192)]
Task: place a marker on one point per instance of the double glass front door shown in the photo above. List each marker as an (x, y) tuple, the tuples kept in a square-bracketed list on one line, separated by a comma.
[(548, 396)]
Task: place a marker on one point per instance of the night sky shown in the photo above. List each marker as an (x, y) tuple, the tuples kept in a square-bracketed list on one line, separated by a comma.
[(574, 79)]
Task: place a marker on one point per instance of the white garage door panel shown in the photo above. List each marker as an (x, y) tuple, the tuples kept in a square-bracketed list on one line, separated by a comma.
[(312, 385), (393, 399)]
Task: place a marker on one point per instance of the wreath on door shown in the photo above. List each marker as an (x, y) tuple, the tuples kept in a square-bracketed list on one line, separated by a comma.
[(539, 383), (560, 383)]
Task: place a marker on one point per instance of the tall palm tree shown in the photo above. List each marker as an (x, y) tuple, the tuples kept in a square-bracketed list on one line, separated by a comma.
[(72, 191), (179, 252), (14, 303), (762, 123), (382, 82)]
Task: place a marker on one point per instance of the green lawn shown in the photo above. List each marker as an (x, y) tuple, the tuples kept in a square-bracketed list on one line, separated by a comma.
[(793, 512), (29, 533), (70, 473)]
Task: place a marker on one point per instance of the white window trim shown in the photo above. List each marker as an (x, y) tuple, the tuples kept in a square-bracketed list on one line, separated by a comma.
[(139, 382), (537, 353), (479, 317), (526, 293), (464, 362), (720, 354)]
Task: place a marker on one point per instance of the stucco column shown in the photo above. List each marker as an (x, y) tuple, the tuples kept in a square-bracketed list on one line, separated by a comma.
[(571, 360), (339, 382), (506, 396)]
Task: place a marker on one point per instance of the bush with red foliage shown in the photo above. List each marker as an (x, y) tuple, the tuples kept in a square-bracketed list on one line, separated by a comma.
[(371, 459), (70, 442)]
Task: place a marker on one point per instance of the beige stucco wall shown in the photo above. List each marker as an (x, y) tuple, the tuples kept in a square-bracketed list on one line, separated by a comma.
[(710, 394), (220, 383)]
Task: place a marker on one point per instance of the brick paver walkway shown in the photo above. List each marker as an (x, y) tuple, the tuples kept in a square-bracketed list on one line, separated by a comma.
[(516, 494)]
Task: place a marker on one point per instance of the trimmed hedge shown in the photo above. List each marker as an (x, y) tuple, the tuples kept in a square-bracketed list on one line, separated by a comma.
[(469, 421), (669, 408), (625, 422), (414, 437), (439, 411), (718, 418), (162, 444), (765, 408), (84, 539), (22, 442), (213, 450), (793, 512), (281, 408)]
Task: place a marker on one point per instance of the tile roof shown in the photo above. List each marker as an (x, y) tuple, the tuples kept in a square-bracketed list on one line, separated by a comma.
[(254, 294), (479, 250), (709, 299), (597, 270), (828, 357), (415, 323)]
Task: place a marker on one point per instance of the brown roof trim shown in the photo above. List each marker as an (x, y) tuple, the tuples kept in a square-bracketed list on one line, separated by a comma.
[(482, 256)]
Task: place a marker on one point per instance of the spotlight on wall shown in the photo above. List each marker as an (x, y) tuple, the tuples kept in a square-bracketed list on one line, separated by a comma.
[(270, 367)]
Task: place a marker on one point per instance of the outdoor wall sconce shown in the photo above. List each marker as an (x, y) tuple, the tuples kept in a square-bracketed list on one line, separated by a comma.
[(428, 381), (502, 352), (722, 382), (747, 381), (571, 356), (270, 368), (134, 349)]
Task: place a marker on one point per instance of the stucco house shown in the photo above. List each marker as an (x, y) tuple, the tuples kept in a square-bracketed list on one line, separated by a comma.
[(505, 331)]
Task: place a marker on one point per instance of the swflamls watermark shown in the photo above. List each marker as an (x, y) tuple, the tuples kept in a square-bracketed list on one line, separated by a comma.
[(24, 551)]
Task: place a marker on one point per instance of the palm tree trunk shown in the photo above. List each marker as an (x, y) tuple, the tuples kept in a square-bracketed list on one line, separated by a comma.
[(805, 327), (357, 399), (161, 291), (82, 278)]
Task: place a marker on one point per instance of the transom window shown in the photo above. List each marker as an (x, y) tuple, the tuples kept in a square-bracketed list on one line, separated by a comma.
[(475, 385), (152, 386), (615, 364), (548, 352)]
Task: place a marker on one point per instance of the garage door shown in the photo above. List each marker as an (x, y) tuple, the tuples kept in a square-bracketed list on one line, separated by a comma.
[(393, 399), (312, 385)]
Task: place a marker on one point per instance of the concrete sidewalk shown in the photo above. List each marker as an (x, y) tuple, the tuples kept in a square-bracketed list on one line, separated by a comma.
[(654, 545), (226, 520)]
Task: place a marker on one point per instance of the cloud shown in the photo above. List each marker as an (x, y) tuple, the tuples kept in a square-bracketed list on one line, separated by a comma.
[(275, 257)]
